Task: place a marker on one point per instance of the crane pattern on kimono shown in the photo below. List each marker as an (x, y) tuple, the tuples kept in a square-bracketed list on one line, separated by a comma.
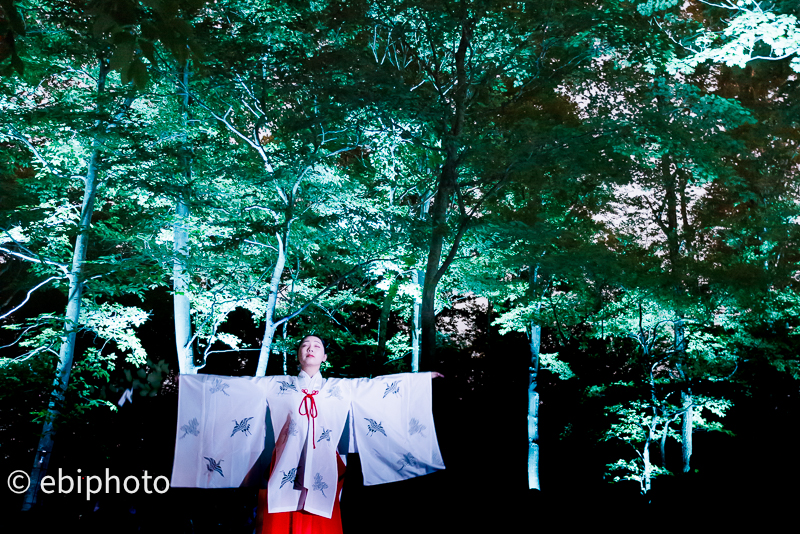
[(192, 427), (335, 392), (243, 427), (286, 386), (219, 385), (394, 387), (293, 427), (325, 434), (288, 477), (214, 466), (374, 426), (415, 428), (319, 485), (407, 460)]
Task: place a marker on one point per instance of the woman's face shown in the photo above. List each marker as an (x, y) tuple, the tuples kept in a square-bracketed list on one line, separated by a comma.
[(311, 354)]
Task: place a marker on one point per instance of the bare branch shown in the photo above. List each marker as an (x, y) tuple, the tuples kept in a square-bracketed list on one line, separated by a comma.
[(329, 314), (30, 354), (260, 244), (15, 134), (20, 336), (28, 296), (206, 353), (234, 130), (327, 288), (33, 259)]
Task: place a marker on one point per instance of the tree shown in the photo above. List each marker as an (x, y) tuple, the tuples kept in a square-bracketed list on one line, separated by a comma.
[(11, 26), (750, 34), (455, 76), (344, 168), (79, 65), (275, 183), (645, 420), (75, 274)]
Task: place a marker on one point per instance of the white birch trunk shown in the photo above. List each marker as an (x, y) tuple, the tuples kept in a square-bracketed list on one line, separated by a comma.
[(418, 278), (533, 409), (270, 327), (72, 315), (647, 467), (386, 311), (686, 430), (686, 397), (416, 321), (182, 306)]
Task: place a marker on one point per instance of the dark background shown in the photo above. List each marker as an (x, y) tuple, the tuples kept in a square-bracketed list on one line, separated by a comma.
[(480, 410)]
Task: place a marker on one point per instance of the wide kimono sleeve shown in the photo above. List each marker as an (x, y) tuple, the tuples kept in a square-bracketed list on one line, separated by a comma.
[(392, 427), (221, 430)]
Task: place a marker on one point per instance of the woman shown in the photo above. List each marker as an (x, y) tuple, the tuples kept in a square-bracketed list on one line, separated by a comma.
[(310, 355), (388, 419)]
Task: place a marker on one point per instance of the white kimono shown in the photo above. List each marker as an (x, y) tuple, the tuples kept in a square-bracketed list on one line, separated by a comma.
[(222, 432)]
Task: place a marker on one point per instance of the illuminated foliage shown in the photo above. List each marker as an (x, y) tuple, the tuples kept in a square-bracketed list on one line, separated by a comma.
[(586, 172)]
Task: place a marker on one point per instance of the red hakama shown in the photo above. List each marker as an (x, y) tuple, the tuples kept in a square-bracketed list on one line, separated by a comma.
[(300, 521)]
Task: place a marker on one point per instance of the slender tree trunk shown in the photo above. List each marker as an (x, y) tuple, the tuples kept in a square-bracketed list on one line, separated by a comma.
[(686, 429), (386, 310), (418, 278), (67, 349), (533, 395), (182, 306), (447, 185), (647, 466), (671, 186), (416, 323), (286, 323), (272, 300), (448, 182), (533, 409), (72, 316), (687, 422), (266, 344), (180, 283)]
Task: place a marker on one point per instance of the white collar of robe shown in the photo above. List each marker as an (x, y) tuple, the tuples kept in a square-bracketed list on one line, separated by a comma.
[(310, 382)]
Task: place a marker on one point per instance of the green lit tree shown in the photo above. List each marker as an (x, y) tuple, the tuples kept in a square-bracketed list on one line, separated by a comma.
[(451, 79), (72, 112)]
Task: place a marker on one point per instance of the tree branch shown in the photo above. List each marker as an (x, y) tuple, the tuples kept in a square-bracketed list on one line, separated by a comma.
[(325, 290), (28, 296), (15, 134), (61, 266)]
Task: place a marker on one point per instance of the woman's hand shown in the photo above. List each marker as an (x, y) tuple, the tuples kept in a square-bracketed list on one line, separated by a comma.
[(435, 374)]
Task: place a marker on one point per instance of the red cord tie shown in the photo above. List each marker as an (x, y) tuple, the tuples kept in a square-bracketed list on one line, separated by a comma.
[(310, 411)]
